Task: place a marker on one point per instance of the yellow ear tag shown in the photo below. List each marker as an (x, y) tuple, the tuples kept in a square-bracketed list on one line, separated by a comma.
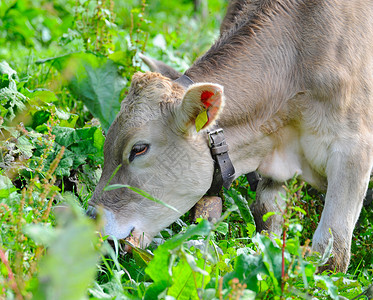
[(201, 120)]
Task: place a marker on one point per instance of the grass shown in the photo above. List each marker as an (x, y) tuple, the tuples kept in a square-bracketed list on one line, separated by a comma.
[(51, 154)]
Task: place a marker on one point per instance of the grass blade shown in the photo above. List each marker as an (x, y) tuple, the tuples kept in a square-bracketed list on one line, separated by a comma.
[(140, 192)]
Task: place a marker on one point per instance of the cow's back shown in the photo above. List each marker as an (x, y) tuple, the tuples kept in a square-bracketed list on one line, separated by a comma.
[(336, 42)]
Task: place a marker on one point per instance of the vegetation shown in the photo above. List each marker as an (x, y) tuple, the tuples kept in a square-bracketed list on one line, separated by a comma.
[(64, 67)]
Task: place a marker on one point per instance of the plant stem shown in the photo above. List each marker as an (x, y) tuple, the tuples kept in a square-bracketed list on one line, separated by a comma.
[(12, 281), (283, 259)]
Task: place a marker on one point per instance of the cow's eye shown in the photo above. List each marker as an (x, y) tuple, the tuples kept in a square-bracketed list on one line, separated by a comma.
[(137, 150)]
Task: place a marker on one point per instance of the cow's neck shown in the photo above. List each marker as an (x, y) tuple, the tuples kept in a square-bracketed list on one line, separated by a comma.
[(259, 75)]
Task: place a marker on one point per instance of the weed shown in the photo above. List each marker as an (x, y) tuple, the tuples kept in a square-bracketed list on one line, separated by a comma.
[(51, 148)]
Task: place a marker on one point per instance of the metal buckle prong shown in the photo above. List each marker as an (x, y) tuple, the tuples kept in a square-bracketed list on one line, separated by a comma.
[(211, 133)]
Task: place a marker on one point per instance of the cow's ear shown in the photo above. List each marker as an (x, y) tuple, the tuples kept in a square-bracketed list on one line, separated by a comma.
[(200, 107), (160, 67)]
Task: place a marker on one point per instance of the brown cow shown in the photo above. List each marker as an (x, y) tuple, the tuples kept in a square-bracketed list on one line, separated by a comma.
[(291, 84)]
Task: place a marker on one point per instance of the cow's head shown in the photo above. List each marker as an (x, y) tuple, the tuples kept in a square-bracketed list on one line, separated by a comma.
[(154, 141)]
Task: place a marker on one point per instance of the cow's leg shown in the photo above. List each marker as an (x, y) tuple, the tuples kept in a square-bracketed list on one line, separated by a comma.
[(268, 200), (348, 178)]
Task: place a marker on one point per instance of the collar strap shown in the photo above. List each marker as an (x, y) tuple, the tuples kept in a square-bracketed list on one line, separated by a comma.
[(223, 167), (224, 172), (184, 81)]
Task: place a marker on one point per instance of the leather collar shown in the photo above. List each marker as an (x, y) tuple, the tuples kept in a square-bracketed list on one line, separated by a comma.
[(184, 81), (224, 172)]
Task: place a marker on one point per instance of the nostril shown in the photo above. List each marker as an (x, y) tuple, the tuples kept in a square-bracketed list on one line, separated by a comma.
[(91, 212)]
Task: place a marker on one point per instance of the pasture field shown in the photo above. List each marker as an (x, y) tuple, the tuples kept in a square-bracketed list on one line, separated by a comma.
[(65, 65)]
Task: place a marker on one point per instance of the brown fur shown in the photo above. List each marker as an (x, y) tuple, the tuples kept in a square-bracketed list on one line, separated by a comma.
[(298, 87)]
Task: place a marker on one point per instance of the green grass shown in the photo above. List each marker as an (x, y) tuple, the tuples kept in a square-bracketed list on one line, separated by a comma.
[(52, 151)]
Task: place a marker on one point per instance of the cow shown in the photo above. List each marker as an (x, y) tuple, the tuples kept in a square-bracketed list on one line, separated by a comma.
[(289, 85)]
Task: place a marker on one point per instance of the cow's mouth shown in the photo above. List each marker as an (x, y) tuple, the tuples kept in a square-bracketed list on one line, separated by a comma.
[(130, 235), (124, 245), (131, 241)]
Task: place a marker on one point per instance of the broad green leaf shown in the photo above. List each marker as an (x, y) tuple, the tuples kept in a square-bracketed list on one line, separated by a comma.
[(272, 257), (327, 284), (344, 283), (80, 145), (62, 115), (222, 228), (242, 205), (158, 269), (6, 187), (43, 96), (70, 264), (25, 146), (121, 57), (246, 269), (40, 233), (98, 139), (193, 264), (183, 282), (94, 80), (188, 277), (40, 117), (64, 135), (202, 228), (66, 163), (70, 122)]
